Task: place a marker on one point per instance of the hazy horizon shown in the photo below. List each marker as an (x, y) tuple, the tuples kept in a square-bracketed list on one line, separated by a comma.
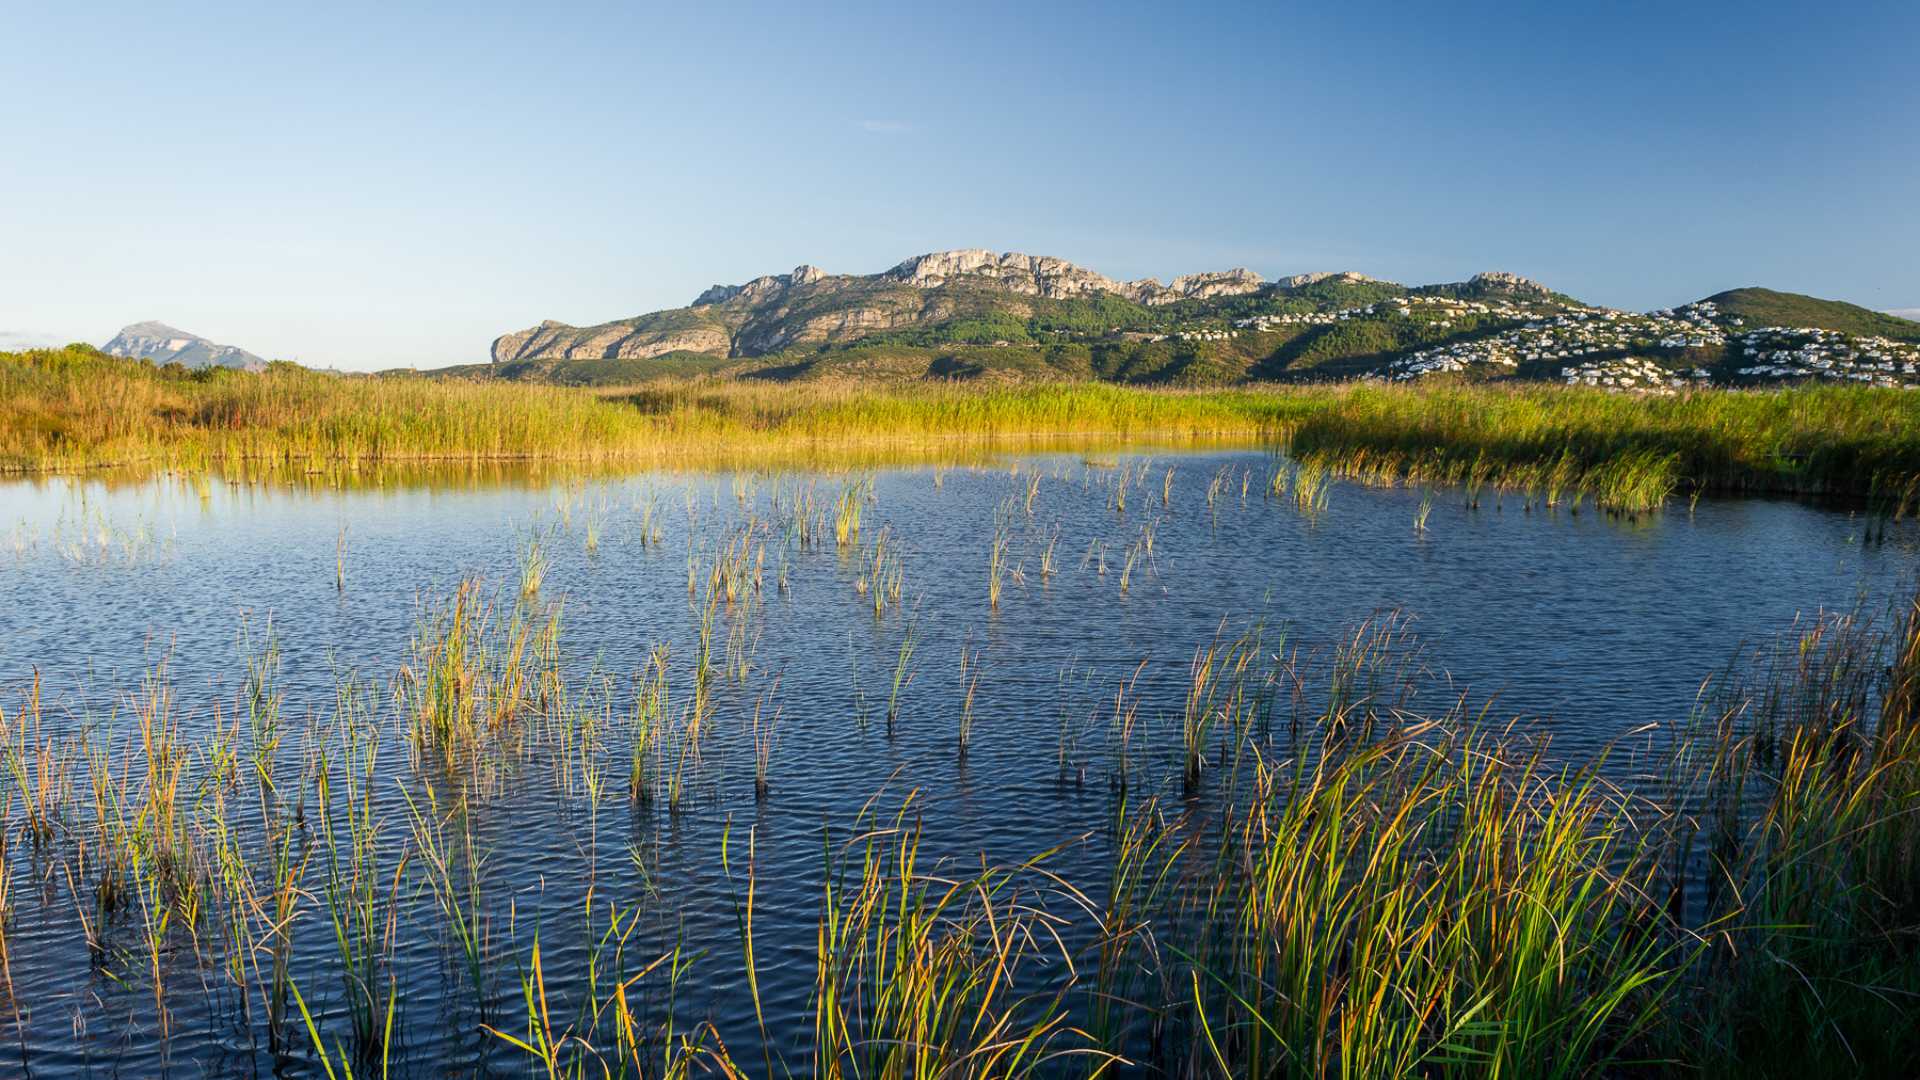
[(365, 188)]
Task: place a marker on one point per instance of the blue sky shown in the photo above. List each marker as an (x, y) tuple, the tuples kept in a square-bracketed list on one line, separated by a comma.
[(383, 185)]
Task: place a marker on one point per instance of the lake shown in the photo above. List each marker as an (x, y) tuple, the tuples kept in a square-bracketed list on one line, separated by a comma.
[(837, 677)]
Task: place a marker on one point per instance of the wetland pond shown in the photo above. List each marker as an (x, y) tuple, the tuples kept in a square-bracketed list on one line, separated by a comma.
[(374, 744)]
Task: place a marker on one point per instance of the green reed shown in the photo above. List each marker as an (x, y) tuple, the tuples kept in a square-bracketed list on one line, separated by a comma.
[(1812, 780), (997, 566), (903, 672), (764, 731), (360, 896), (918, 972), (452, 865), (846, 513)]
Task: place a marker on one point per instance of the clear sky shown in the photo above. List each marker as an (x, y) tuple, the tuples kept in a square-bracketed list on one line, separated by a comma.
[(395, 184)]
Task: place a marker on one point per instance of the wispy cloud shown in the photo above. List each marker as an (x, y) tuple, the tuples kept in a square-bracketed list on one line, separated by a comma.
[(1906, 312), (28, 339), (886, 127)]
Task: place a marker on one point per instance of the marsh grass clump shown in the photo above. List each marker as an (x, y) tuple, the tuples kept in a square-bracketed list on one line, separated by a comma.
[(1310, 482), (648, 530), (846, 514), (764, 731), (1221, 694), (36, 765), (1811, 792), (921, 969), (648, 726), (883, 577), (533, 568), (469, 677), (1279, 479), (1430, 903)]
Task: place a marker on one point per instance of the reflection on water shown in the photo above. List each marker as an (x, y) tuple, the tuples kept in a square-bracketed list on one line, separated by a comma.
[(1021, 595), (838, 454)]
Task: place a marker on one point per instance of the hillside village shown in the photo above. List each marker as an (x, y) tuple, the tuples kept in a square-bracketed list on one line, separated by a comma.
[(1447, 308), (1662, 351), (1779, 352), (1572, 335)]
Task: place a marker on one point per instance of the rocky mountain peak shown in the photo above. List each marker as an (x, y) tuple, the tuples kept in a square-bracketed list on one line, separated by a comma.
[(715, 294), (760, 288), (1031, 275), (1348, 277), (1055, 278), (1236, 282), (1502, 281), (152, 329), (163, 344)]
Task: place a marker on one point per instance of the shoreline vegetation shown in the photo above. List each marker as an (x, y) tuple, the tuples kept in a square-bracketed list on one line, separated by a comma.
[(74, 409)]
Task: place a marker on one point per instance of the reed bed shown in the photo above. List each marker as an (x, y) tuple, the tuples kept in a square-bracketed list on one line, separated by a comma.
[(1625, 453), (73, 409)]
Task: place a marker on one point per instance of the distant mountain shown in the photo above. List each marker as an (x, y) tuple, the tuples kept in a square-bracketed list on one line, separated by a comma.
[(163, 344), (968, 296), (972, 314)]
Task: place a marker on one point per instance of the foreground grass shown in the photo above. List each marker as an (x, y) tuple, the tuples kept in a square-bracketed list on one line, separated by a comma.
[(74, 409)]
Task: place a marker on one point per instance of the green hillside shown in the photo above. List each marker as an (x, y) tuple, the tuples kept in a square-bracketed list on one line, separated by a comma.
[(1766, 307)]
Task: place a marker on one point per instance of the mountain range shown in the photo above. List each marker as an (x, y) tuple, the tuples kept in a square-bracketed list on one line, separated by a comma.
[(163, 344), (973, 293), (973, 313)]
